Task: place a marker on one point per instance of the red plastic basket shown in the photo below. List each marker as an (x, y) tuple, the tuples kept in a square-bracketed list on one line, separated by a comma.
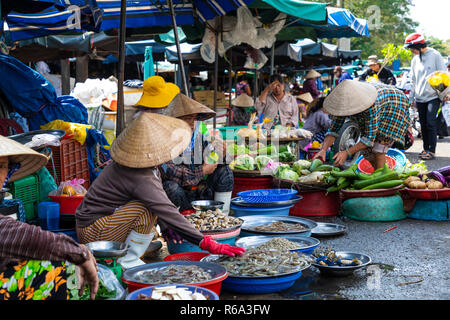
[(316, 203), (245, 184), (365, 166), (67, 205), (213, 285), (71, 162), (186, 256)]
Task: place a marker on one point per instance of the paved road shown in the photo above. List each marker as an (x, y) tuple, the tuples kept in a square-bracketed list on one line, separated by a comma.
[(410, 262)]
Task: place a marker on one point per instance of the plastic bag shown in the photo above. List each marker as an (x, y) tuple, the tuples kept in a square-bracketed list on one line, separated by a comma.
[(71, 188), (44, 139), (258, 63)]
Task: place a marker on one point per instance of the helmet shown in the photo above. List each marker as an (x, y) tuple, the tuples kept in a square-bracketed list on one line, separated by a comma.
[(414, 39)]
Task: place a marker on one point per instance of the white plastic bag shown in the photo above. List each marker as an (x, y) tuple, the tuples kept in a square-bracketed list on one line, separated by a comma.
[(44, 139)]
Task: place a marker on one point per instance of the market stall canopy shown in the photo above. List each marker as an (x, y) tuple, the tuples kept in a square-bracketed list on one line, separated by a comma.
[(308, 10), (341, 23), (57, 47), (28, 19)]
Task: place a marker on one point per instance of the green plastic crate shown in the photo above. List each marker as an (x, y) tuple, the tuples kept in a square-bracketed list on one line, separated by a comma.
[(28, 191)]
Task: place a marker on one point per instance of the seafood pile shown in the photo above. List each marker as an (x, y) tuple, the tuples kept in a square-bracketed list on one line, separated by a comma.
[(172, 293), (213, 220), (279, 244), (279, 226), (257, 262), (174, 274), (328, 257)]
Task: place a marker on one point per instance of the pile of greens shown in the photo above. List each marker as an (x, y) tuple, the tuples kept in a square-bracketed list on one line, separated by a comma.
[(103, 293)]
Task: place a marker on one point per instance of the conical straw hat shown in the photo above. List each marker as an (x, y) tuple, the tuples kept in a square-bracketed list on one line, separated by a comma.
[(30, 160), (151, 140), (307, 97), (312, 74), (182, 105), (350, 97), (243, 100)]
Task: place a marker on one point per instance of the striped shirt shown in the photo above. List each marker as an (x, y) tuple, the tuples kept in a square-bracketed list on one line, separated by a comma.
[(385, 121), (22, 241)]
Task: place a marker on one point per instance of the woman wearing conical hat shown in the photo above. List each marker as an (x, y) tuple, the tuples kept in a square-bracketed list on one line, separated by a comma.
[(127, 199), (381, 111), (184, 177), (242, 108), (310, 84), (32, 258)]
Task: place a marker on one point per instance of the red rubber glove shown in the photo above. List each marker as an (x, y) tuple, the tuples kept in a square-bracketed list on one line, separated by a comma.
[(215, 247)]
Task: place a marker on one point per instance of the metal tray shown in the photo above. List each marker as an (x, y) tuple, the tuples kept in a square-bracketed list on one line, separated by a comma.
[(214, 258), (347, 270), (107, 249), (256, 220), (215, 270), (325, 229), (26, 137), (238, 201), (204, 205), (305, 243)]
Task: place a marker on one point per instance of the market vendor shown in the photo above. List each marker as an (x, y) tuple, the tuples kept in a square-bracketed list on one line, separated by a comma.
[(304, 102), (381, 111), (317, 122), (242, 108), (127, 199), (384, 75), (184, 178), (310, 84), (277, 105), (34, 262)]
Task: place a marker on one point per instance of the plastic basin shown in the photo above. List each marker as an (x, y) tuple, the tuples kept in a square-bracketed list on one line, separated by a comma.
[(68, 205), (260, 285), (317, 203), (211, 295), (239, 211)]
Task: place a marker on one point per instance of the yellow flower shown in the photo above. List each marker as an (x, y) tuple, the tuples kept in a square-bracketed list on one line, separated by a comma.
[(266, 120)]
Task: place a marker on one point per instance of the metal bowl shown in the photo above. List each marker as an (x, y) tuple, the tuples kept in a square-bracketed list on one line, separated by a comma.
[(251, 222), (108, 249), (207, 205), (325, 229), (340, 271), (306, 244)]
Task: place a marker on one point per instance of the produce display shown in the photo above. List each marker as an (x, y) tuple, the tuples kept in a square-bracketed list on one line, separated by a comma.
[(213, 220), (262, 262), (173, 274), (282, 132), (259, 157), (279, 226), (306, 172), (438, 179), (328, 257), (172, 293)]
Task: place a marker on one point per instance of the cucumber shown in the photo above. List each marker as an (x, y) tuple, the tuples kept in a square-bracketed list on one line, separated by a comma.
[(384, 177), (315, 164), (324, 167), (384, 185)]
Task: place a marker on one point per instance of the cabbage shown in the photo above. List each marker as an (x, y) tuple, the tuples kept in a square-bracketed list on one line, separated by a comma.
[(234, 149), (262, 161), (285, 172), (300, 165), (245, 162)]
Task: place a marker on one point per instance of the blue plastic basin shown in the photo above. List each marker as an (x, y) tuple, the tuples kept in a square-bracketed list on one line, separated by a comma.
[(148, 291), (260, 285), (239, 211)]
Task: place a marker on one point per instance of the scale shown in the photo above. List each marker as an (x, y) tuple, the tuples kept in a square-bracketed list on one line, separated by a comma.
[(107, 253)]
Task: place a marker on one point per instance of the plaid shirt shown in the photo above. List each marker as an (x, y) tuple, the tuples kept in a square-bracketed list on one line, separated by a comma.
[(385, 121)]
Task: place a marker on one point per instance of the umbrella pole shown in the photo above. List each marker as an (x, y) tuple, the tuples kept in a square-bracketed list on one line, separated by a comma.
[(121, 73), (177, 41), (216, 79)]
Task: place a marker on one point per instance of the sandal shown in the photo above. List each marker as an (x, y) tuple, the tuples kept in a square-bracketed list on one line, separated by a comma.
[(422, 153), (427, 156)]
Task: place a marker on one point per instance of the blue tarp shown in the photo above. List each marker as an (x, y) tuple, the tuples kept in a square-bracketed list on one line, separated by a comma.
[(341, 23), (63, 16), (33, 96)]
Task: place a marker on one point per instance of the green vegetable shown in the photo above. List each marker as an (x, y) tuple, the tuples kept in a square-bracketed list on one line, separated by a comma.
[(269, 150), (300, 165), (284, 148), (384, 177), (341, 181), (285, 172), (262, 161), (384, 185), (286, 157), (363, 176), (245, 162), (235, 149), (324, 167), (315, 164), (348, 173), (331, 180), (335, 188)]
